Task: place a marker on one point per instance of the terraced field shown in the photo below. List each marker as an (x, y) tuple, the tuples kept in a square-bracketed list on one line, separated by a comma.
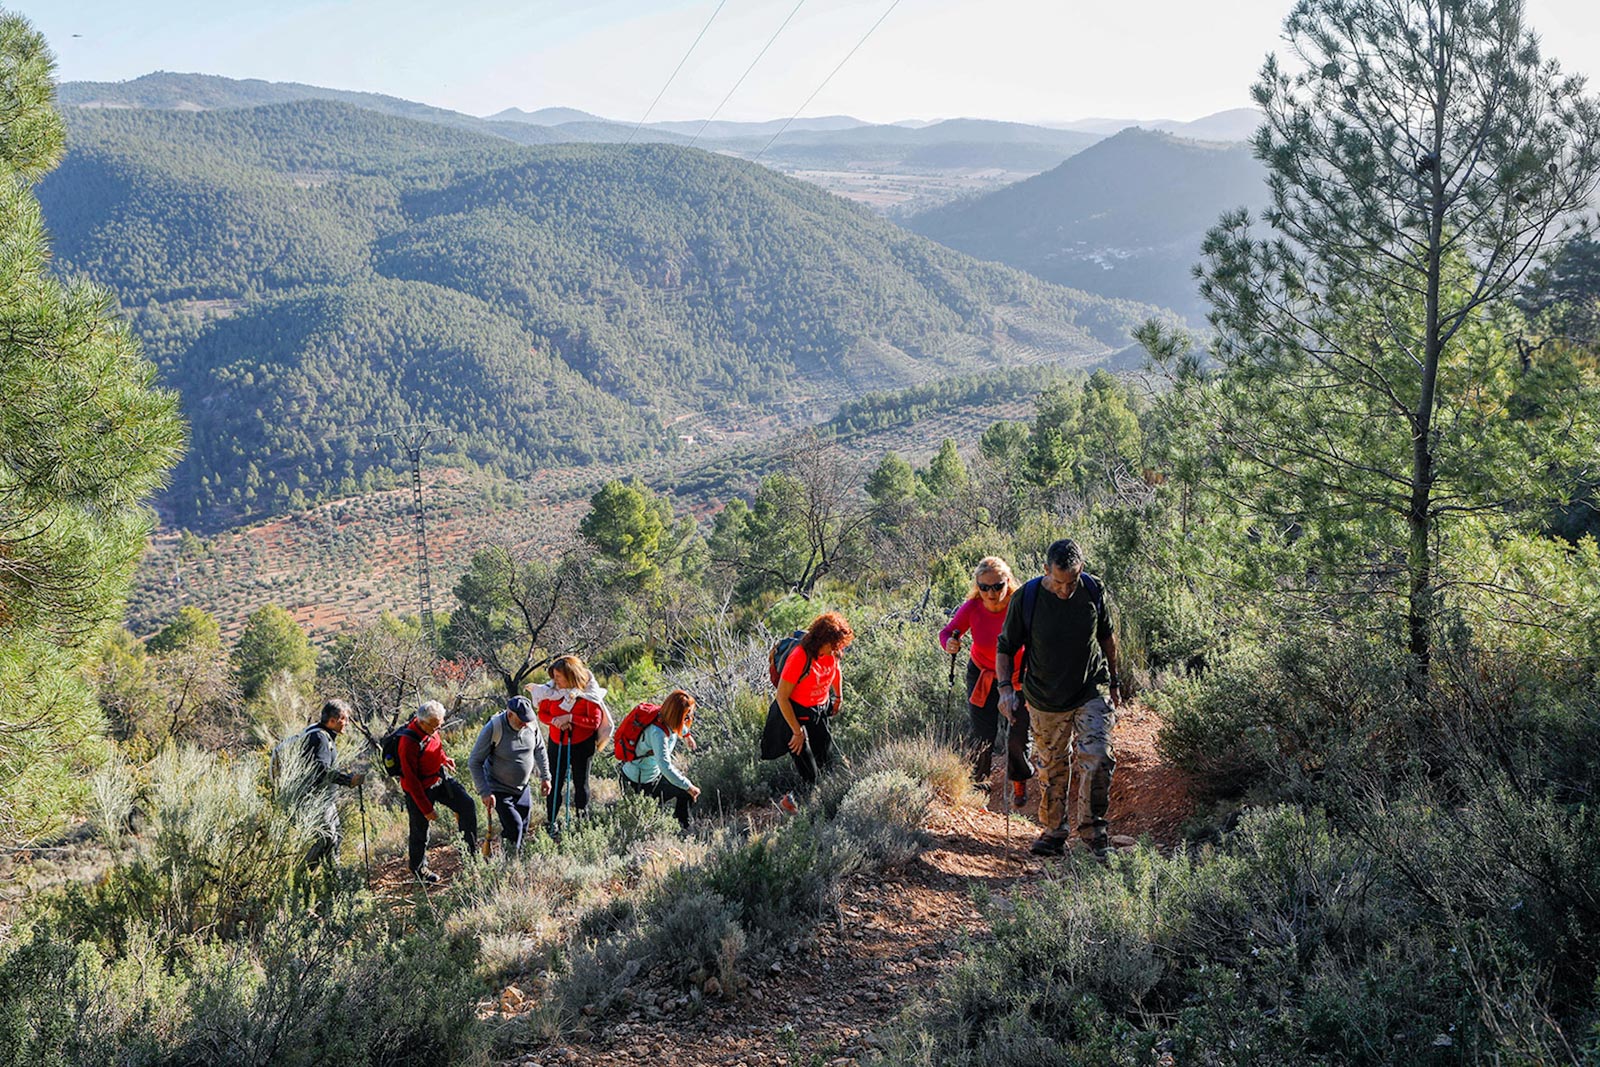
[(343, 563)]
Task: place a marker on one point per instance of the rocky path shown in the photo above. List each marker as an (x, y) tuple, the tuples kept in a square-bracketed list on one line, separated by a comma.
[(895, 933)]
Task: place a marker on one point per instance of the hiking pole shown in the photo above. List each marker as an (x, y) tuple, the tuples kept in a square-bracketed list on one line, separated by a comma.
[(488, 829), (1002, 741), (366, 855)]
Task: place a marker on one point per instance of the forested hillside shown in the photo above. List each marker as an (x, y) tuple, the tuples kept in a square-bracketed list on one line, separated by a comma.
[(311, 274), (1124, 217)]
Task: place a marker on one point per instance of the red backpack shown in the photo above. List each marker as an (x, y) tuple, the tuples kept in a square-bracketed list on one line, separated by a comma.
[(625, 743)]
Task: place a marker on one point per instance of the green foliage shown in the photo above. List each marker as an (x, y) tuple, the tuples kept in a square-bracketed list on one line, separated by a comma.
[(552, 305), (272, 643), (1408, 333), (87, 439), (191, 626), (626, 525), (893, 482), (309, 988), (946, 474)]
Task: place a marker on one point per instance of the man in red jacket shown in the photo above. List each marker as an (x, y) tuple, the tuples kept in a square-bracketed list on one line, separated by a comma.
[(423, 764)]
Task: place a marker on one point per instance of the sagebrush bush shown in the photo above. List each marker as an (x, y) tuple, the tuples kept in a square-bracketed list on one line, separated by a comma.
[(885, 813), (945, 768), (696, 930), (344, 986)]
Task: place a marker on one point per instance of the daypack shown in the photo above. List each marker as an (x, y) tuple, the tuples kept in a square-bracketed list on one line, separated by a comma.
[(780, 655), (390, 748), (625, 743)]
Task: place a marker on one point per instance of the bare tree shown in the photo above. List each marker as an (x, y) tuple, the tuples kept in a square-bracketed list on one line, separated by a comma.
[(517, 612)]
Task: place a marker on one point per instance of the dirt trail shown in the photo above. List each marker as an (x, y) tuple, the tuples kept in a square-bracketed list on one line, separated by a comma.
[(897, 932)]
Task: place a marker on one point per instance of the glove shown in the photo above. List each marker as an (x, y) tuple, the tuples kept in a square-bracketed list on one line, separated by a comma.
[(1009, 702)]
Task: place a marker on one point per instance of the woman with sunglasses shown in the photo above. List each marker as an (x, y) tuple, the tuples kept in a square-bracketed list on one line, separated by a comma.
[(982, 614)]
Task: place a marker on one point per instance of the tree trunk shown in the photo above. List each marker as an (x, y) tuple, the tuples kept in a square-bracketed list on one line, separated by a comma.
[(1419, 518)]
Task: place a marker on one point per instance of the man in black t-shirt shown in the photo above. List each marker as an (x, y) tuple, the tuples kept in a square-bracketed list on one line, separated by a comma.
[(1064, 622)]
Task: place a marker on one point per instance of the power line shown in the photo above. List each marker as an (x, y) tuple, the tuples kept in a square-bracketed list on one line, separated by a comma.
[(674, 73), (746, 73), (825, 81)]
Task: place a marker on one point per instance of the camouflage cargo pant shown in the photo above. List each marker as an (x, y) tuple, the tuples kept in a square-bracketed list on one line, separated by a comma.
[(1094, 759)]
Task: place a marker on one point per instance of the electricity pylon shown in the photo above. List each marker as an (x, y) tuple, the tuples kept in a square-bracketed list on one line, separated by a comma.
[(413, 438)]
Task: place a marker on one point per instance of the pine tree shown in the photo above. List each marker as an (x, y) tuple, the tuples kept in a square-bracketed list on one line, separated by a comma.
[(1420, 158), (85, 438)]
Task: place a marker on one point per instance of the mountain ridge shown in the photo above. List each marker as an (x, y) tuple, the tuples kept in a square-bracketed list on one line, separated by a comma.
[(1124, 217), (308, 273)]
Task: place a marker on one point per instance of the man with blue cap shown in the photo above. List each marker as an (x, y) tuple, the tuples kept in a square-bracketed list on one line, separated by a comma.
[(510, 749)]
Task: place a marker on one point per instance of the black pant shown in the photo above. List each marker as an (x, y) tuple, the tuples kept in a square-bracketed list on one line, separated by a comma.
[(986, 724), (451, 794), (514, 810), (663, 790), (570, 763), (812, 759)]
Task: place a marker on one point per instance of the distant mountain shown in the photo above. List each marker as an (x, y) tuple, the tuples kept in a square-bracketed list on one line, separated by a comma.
[(545, 116), (1123, 218), (311, 274), (1236, 124), (952, 144), (725, 130), (165, 91), (931, 162)]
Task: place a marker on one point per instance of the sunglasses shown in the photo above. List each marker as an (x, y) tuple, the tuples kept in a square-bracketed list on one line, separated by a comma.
[(985, 587)]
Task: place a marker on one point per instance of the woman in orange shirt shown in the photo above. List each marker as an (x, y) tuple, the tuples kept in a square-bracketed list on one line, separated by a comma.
[(810, 692)]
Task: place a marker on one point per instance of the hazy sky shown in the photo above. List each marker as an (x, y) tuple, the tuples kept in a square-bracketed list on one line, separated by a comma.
[(1013, 59)]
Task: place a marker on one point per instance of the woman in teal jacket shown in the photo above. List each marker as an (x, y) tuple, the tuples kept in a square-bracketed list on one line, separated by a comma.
[(651, 770)]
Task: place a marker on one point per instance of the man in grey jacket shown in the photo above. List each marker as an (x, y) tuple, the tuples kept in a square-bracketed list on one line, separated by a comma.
[(509, 751), (321, 773)]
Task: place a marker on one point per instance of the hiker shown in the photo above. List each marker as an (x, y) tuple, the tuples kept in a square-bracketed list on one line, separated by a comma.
[(509, 751), (573, 707), (810, 692), (982, 614), (650, 770), (1062, 623), (423, 764), (319, 760)]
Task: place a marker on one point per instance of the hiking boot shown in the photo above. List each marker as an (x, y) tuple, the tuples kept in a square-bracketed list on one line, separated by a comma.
[(1019, 794), (1100, 847), (1048, 846), (787, 804), (427, 876)]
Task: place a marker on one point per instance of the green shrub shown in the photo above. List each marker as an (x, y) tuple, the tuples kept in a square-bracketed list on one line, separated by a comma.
[(781, 879), (885, 813), (696, 930)]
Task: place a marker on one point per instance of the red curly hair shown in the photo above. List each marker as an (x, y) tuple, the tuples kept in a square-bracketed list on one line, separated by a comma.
[(828, 628)]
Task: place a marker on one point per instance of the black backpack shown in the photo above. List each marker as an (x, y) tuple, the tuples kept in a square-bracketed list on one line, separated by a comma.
[(390, 748)]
